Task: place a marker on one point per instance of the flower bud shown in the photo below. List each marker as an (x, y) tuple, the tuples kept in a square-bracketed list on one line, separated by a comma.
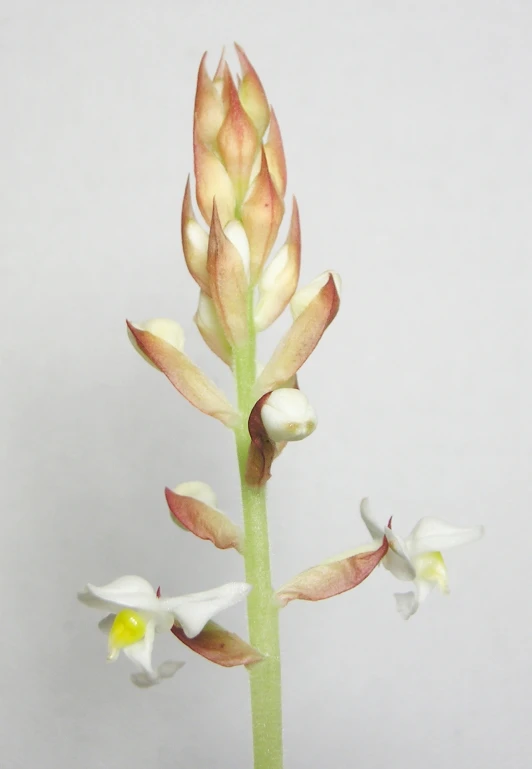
[(197, 490), (228, 280), (163, 328), (275, 156), (192, 506), (164, 354), (252, 94), (279, 279), (235, 232), (209, 108), (211, 330), (288, 416), (195, 242), (303, 297), (237, 142), (262, 213)]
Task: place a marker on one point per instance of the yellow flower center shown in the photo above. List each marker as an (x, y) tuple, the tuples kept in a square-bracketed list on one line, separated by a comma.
[(128, 628), (431, 566)]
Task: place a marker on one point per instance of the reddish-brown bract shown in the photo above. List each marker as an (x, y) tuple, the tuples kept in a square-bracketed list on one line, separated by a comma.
[(204, 521), (220, 646), (330, 579)]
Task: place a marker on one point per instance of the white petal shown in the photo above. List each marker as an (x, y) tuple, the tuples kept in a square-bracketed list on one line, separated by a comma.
[(396, 559), (433, 534), (166, 670), (406, 604), (409, 603), (376, 531), (195, 610), (125, 592)]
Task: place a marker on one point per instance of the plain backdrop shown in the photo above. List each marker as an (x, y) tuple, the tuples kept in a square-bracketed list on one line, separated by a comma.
[(407, 131)]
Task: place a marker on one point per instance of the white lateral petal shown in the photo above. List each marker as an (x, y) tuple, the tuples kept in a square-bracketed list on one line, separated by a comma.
[(433, 534), (129, 591), (406, 603), (409, 603), (376, 531), (195, 610), (397, 559)]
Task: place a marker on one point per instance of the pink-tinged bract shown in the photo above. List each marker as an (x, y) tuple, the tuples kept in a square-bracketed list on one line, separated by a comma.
[(262, 450), (228, 282), (330, 579), (301, 339), (274, 151), (262, 213), (220, 646), (204, 521), (185, 376)]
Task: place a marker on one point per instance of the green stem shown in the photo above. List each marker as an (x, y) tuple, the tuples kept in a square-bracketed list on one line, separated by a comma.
[(263, 615)]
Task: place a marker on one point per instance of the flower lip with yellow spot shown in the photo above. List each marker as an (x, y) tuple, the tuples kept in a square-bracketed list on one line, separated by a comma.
[(128, 628), (136, 614), (418, 558)]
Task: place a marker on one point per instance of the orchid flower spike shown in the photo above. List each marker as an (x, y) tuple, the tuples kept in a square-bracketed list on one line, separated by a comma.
[(136, 614), (418, 558)]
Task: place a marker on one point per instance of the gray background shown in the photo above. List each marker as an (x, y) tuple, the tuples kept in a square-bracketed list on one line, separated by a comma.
[(407, 130)]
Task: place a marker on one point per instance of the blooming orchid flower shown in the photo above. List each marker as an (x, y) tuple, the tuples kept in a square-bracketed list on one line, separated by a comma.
[(136, 613), (418, 558)]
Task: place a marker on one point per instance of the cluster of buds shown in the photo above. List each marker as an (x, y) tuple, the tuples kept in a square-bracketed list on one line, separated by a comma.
[(240, 186), (244, 286)]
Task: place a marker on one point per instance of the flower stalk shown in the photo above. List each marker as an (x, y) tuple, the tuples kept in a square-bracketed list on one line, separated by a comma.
[(263, 612)]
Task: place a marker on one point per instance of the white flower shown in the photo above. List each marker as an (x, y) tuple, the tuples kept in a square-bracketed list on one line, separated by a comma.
[(288, 416), (418, 558), (136, 614)]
